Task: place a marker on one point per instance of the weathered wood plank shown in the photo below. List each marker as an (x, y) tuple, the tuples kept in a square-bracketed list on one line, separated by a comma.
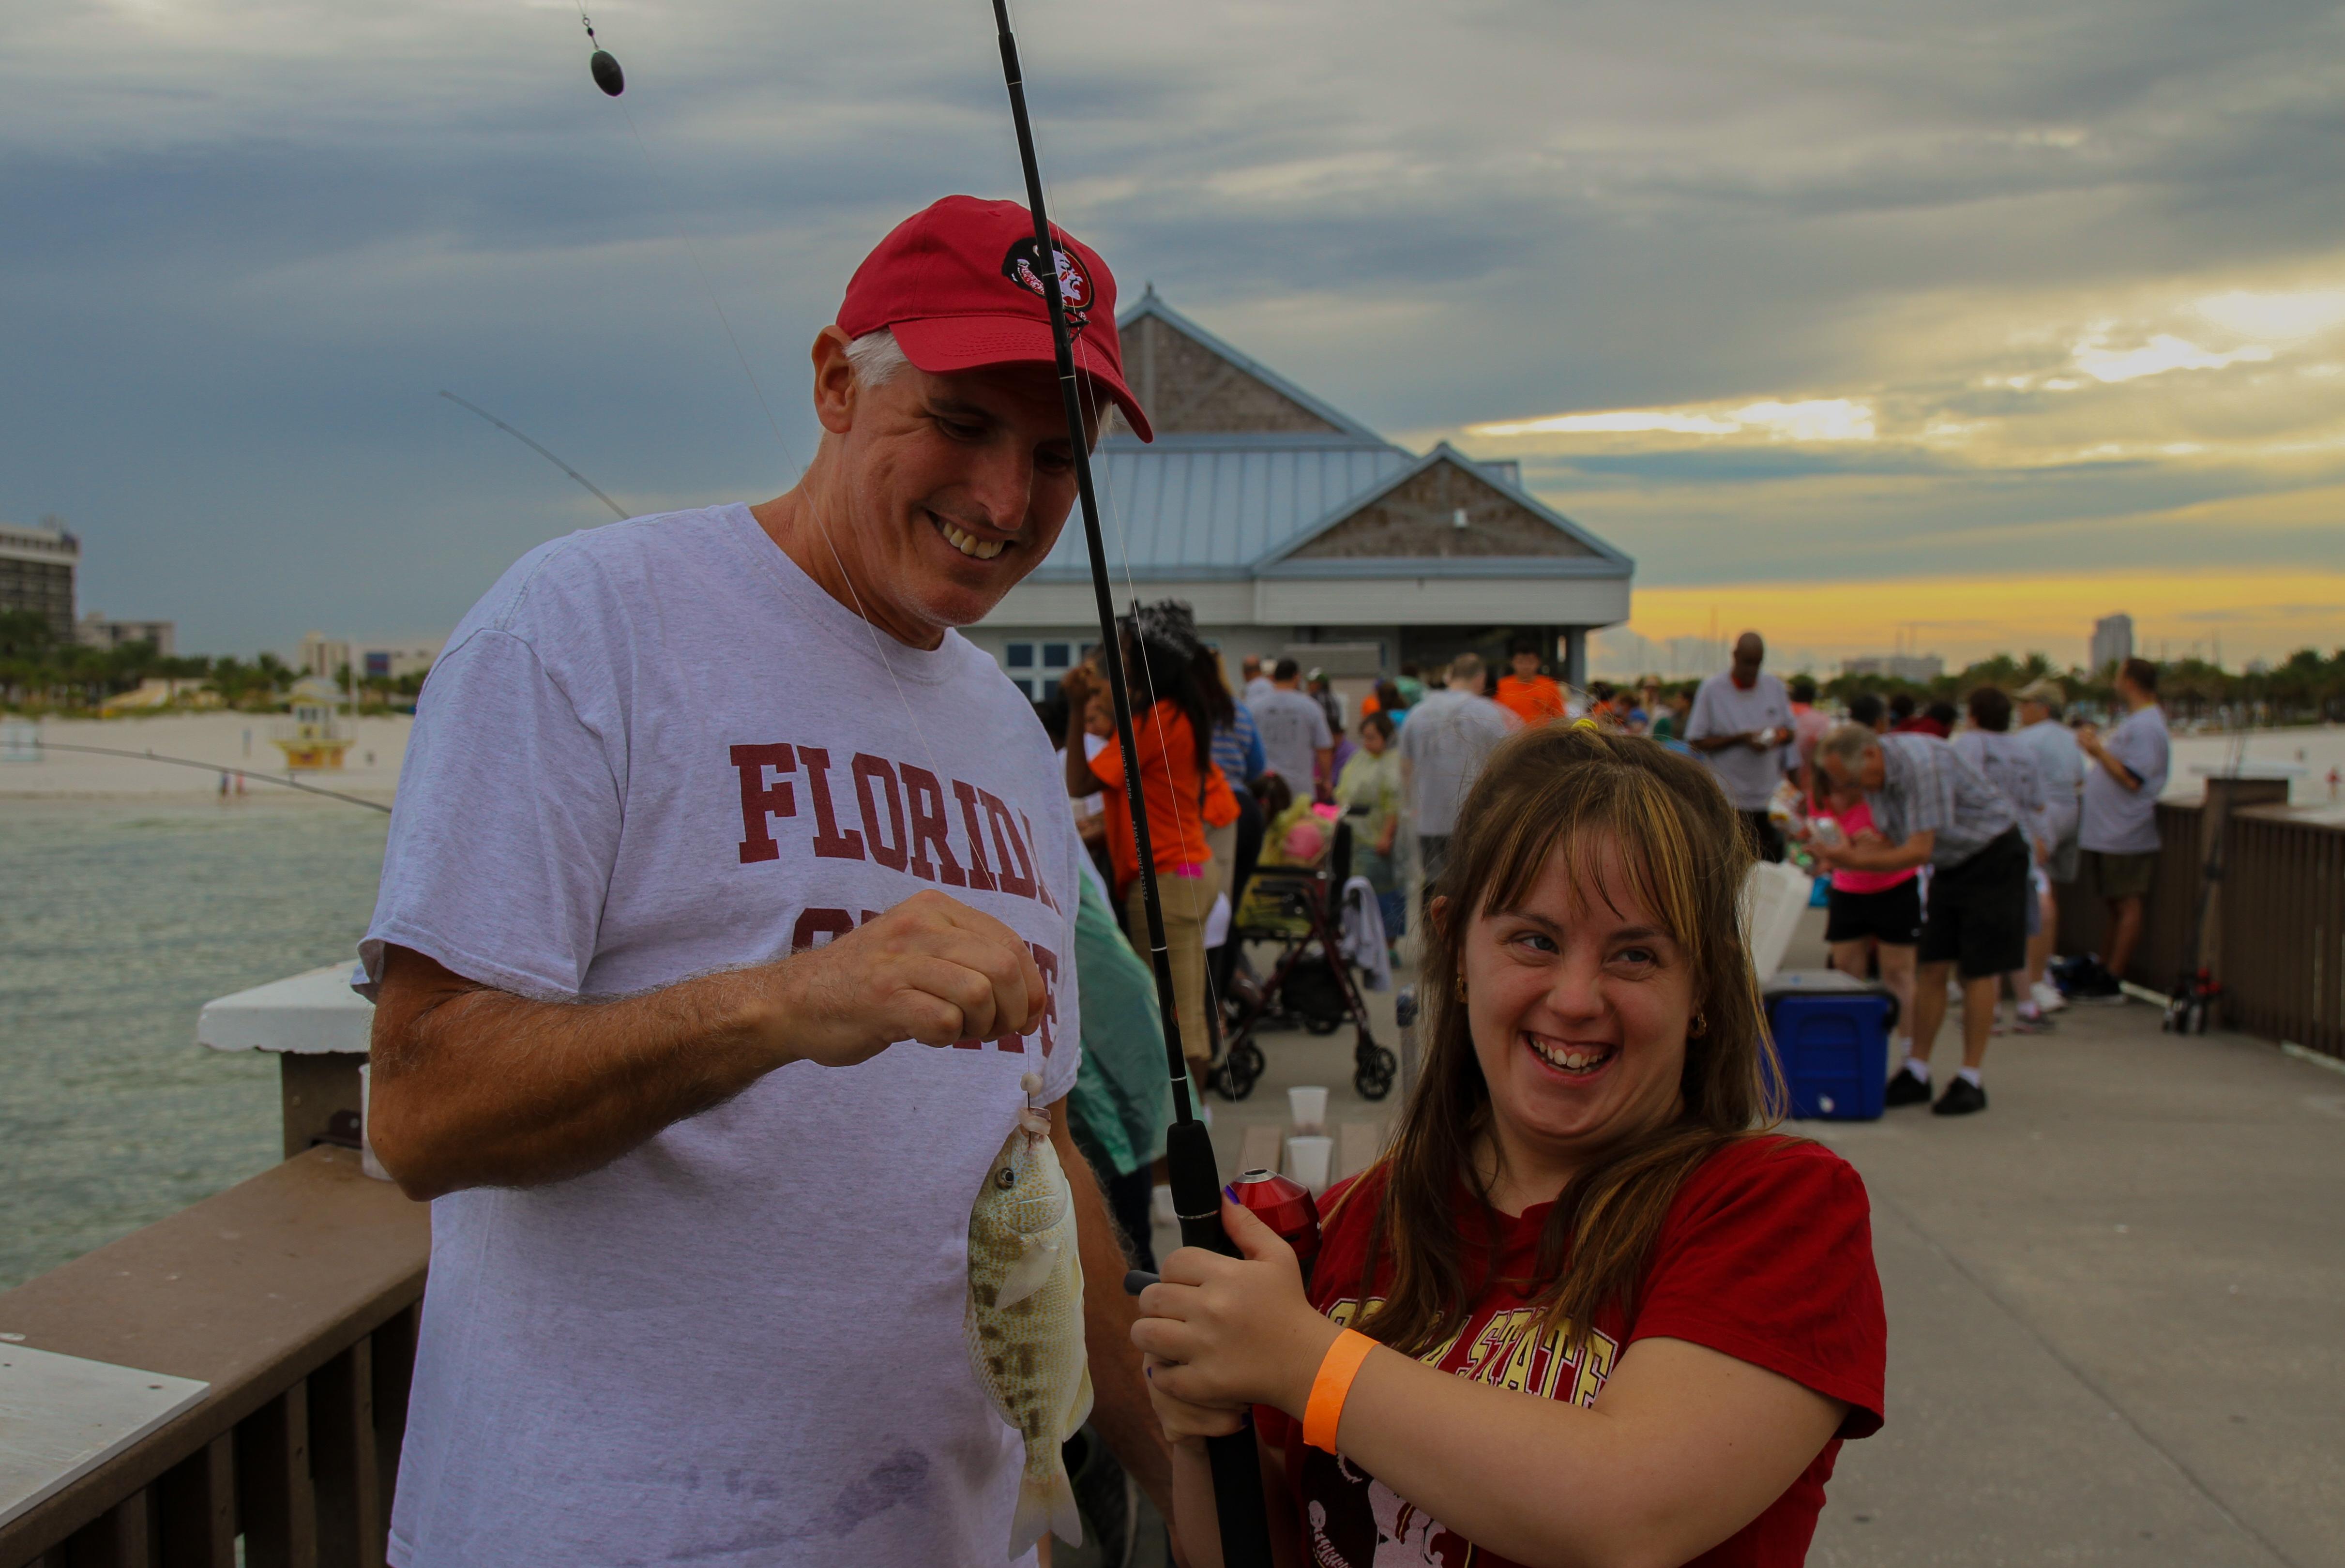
[(343, 1460), (196, 1508), (275, 1502)]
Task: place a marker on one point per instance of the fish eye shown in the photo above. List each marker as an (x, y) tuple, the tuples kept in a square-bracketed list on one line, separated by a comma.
[(1005, 1178)]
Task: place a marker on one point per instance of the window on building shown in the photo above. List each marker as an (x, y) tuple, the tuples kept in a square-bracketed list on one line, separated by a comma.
[(1019, 656), (1057, 655)]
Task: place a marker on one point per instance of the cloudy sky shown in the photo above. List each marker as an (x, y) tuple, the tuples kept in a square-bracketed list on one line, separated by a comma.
[(1863, 321)]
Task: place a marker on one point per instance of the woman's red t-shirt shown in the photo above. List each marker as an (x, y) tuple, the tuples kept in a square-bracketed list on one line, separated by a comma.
[(1766, 1255)]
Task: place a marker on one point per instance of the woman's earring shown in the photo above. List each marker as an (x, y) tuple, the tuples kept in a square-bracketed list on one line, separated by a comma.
[(1700, 1024), (1461, 982)]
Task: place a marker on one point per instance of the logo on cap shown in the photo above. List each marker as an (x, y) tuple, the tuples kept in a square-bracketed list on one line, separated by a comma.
[(1074, 285)]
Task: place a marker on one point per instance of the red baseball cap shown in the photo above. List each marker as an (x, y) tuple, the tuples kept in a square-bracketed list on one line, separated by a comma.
[(956, 283)]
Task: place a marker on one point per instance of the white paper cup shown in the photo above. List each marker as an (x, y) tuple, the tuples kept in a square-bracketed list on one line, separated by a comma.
[(1307, 1159), (1308, 1109), (1162, 1201), (367, 1161)]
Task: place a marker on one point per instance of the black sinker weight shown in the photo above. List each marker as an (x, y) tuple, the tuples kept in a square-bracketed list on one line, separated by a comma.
[(608, 75)]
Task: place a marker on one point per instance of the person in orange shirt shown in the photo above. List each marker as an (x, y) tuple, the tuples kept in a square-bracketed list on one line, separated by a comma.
[(1532, 697), (1171, 725)]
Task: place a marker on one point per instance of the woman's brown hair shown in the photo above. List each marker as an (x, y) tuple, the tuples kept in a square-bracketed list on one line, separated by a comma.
[(1573, 790)]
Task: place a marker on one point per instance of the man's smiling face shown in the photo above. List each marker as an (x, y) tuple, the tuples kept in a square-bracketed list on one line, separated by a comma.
[(952, 488)]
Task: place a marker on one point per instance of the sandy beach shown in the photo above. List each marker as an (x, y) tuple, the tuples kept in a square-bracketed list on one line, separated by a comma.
[(228, 743)]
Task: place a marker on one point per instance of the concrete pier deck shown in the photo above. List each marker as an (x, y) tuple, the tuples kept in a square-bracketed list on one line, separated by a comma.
[(2117, 1300)]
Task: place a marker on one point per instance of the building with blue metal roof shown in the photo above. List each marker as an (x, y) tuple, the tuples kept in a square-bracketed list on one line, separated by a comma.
[(1291, 528)]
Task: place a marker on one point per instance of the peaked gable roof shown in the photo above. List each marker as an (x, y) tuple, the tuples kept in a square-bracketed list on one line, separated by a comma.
[(1410, 519), (1192, 383)]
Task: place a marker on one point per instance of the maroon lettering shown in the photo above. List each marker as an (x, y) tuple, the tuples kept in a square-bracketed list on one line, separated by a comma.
[(926, 798), (1041, 883), (761, 801), (886, 848), (817, 926), (1008, 846), (968, 1043), (1047, 962), (830, 843), (981, 875)]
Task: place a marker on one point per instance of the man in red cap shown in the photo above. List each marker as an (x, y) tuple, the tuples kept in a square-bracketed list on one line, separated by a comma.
[(724, 936)]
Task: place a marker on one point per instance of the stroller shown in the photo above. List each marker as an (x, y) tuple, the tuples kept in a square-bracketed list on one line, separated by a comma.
[(1291, 900)]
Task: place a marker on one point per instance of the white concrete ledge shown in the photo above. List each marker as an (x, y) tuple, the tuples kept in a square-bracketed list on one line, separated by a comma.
[(301, 1014)]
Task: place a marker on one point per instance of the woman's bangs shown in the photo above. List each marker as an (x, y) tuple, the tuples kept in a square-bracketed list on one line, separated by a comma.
[(1578, 819)]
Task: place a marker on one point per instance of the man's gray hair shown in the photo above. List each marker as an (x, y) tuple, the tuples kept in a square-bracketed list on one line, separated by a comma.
[(1465, 670), (876, 357), (1849, 743)]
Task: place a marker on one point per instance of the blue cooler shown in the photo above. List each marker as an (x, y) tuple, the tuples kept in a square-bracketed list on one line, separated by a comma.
[(1832, 1032)]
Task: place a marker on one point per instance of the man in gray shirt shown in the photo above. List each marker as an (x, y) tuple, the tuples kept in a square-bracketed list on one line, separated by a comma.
[(1932, 808), (2060, 769), (1295, 739), (1447, 738), (2120, 833), (1742, 726)]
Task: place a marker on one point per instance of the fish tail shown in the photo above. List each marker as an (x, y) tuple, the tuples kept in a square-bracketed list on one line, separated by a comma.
[(1045, 1502)]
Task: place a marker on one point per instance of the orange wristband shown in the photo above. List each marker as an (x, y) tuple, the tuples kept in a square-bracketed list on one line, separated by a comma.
[(1328, 1390)]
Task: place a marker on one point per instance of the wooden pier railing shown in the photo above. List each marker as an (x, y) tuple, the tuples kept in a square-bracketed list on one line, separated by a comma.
[(295, 1296), (2273, 936)]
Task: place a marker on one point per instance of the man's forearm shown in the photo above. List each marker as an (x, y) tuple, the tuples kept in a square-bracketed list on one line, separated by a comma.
[(545, 1090), (1120, 1407), (1881, 856)]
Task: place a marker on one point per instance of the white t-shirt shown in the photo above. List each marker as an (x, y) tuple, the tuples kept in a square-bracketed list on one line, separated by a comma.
[(2119, 821), (1722, 708), (654, 750), (1294, 729), (1447, 738)]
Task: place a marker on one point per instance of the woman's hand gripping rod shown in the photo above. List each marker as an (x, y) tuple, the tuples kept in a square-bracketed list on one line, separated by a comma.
[(1189, 1150)]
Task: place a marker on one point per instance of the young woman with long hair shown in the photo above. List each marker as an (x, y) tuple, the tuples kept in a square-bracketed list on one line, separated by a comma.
[(1172, 717), (1587, 1310)]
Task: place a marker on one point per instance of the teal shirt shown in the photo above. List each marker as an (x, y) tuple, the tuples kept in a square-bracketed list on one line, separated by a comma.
[(1122, 1098)]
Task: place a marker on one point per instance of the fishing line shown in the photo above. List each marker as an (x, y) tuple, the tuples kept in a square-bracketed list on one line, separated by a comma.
[(616, 510), (39, 745)]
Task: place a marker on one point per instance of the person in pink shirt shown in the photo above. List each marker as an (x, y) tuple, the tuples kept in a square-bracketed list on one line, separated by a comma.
[(1874, 914)]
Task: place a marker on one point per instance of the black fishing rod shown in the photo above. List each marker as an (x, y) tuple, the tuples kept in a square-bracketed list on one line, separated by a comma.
[(221, 768), (1189, 1146)]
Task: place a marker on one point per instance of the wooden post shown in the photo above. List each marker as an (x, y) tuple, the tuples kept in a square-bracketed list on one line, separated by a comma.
[(196, 1502), (2225, 796), (319, 1087), (274, 1497), (124, 1537), (345, 1461)]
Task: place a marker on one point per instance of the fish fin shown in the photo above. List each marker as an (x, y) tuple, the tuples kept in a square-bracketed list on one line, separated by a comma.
[(1037, 1257), (1078, 1408), (1045, 1502)]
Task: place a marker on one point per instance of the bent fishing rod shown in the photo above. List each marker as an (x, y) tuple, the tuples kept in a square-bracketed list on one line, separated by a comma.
[(1189, 1146), (223, 769)]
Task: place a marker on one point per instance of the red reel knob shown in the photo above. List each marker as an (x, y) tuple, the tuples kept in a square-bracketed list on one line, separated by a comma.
[(1286, 1207)]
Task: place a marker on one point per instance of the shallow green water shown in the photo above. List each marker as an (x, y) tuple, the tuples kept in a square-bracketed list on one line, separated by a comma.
[(119, 920)]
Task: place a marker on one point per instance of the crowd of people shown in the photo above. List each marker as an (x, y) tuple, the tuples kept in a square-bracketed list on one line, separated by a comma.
[(712, 1004)]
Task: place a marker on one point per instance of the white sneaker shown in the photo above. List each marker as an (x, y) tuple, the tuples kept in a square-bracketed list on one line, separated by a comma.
[(2047, 997)]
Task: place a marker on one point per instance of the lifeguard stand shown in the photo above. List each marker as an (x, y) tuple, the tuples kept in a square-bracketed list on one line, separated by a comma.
[(314, 739)]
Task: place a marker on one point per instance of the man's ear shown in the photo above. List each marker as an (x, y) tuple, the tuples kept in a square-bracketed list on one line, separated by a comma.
[(834, 381)]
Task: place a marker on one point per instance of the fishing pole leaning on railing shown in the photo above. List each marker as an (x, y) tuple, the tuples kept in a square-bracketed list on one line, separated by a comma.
[(1189, 1149)]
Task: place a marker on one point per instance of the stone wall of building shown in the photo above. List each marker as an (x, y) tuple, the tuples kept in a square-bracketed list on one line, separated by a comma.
[(1419, 519), (1189, 389)]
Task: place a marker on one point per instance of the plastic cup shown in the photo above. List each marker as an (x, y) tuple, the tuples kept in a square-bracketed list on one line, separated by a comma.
[(1161, 1205), (1307, 1160), (367, 1161), (1307, 1106)]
